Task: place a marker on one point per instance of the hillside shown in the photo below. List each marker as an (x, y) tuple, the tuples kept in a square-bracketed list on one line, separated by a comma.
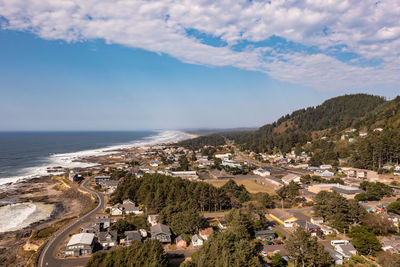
[(331, 131)]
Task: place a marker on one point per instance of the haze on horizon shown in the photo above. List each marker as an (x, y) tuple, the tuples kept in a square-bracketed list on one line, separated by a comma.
[(118, 65)]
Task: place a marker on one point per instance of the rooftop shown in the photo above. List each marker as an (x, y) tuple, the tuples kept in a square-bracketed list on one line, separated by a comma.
[(82, 238)]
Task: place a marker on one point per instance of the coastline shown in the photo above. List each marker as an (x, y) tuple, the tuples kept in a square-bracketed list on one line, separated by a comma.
[(81, 159), (55, 189)]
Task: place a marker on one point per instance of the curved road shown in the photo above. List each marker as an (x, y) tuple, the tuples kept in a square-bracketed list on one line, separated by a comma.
[(46, 257)]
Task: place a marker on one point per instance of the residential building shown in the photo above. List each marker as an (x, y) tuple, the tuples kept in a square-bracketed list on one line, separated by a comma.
[(180, 242), (223, 155), (80, 244), (317, 220), (131, 236), (391, 244), (161, 232), (100, 179), (284, 218), (108, 239), (347, 250), (206, 233), (197, 241), (102, 222), (111, 185), (291, 178), (263, 172), (265, 235), (232, 163), (191, 175)]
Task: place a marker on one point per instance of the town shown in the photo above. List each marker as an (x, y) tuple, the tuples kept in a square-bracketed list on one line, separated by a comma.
[(279, 203)]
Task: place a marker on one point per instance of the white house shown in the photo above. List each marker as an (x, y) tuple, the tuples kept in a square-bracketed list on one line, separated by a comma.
[(197, 241), (325, 167), (263, 172), (291, 178), (317, 220)]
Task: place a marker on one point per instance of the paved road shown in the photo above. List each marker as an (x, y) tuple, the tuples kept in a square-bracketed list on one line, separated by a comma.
[(47, 255)]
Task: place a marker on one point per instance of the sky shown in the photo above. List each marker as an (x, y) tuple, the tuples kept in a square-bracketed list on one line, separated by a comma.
[(134, 65)]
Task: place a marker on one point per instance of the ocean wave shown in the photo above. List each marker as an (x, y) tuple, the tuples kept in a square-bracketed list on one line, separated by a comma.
[(20, 215), (71, 160)]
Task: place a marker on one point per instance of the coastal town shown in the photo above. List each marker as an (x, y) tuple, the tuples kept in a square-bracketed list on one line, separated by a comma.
[(295, 196)]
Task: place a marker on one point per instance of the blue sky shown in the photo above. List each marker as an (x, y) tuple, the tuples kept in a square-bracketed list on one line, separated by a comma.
[(188, 74)]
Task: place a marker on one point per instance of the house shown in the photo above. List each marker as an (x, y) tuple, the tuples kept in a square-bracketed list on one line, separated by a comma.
[(197, 241), (326, 230), (180, 242), (152, 219), (161, 232), (102, 222), (80, 244), (317, 220), (131, 236), (347, 250), (129, 207), (265, 235), (312, 229), (116, 210), (154, 163), (222, 224), (337, 258), (284, 218), (291, 178), (111, 185), (223, 155), (108, 239), (190, 175), (325, 167), (100, 179), (232, 163), (391, 244), (263, 172), (206, 233), (324, 173)]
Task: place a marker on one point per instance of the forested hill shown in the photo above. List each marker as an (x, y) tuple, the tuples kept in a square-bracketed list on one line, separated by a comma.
[(324, 132), (303, 125)]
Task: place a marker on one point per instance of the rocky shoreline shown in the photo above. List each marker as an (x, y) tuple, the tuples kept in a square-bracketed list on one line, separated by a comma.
[(68, 202)]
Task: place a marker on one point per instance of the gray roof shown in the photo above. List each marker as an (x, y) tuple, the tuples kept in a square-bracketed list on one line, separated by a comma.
[(265, 232), (103, 236), (82, 238), (160, 229), (347, 191), (195, 238), (133, 235)]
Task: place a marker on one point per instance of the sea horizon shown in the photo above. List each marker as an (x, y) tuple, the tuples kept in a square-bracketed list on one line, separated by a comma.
[(28, 154)]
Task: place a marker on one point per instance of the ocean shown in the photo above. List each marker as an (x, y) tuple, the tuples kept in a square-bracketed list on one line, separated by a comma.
[(25, 155)]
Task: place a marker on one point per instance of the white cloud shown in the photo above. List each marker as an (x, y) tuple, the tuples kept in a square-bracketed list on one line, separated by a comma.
[(368, 28)]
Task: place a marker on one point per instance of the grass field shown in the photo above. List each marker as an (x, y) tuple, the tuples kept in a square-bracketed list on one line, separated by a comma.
[(250, 185)]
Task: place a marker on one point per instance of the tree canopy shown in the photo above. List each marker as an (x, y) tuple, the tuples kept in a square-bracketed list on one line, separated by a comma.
[(306, 251), (147, 254)]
